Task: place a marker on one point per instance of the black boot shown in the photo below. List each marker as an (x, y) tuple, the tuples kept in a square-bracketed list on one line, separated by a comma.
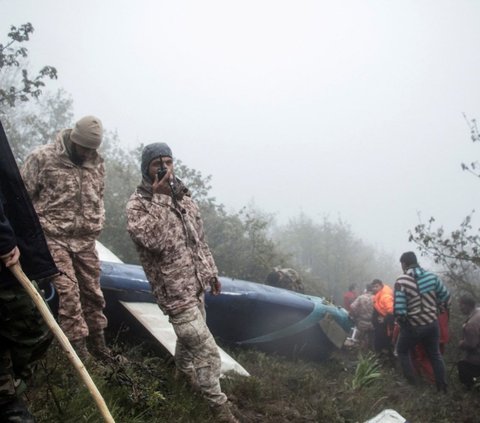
[(98, 346), (15, 411)]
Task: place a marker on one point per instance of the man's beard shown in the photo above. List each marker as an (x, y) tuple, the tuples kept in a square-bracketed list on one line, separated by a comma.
[(76, 158), (73, 153)]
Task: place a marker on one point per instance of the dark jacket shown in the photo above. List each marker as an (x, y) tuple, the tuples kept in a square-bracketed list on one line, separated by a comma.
[(471, 338), (19, 223), (7, 236)]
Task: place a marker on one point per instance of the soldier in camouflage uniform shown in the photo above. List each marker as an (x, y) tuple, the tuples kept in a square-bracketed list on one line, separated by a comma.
[(167, 229), (361, 312), (65, 180), (285, 278)]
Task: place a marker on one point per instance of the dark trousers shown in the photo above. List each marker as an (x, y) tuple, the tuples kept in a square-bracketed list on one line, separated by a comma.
[(467, 372), (383, 329), (24, 338), (429, 336)]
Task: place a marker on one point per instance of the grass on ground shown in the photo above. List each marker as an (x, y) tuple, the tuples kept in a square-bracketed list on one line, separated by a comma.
[(348, 387)]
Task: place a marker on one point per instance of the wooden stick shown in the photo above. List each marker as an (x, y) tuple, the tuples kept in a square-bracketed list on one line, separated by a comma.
[(63, 340)]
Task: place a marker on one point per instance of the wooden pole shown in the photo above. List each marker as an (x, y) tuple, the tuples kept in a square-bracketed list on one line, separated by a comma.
[(63, 340)]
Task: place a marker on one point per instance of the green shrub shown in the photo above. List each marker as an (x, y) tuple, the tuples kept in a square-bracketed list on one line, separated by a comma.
[(367, 371)]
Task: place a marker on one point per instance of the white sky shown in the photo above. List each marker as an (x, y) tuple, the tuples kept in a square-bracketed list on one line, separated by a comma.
[(338, 108)]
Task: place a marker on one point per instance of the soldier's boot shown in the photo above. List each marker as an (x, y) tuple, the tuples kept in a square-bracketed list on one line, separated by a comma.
[(98, 346), (100, 351), (223, 413), (15, 411), (80, 347)]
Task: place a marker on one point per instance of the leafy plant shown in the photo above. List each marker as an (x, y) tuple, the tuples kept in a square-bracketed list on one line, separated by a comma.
[(367, 371), (12, 56), (458, 252)]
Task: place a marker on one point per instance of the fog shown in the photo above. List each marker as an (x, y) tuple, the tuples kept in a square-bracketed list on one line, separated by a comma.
[(349, 109)]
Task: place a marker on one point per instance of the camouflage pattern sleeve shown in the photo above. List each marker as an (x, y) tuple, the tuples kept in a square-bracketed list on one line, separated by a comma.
[(101, 194), (147, 221), (30, 171), (205, 247)]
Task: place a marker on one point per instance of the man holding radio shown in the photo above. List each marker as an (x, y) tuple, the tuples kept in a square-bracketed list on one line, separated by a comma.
[(165, 224)]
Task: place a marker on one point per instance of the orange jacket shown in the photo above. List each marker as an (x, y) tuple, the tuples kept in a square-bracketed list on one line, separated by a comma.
[(383, 301)]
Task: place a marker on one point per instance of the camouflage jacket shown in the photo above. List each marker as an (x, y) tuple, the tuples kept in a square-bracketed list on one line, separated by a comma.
[(68, 198), (173, 252), (362, 311)]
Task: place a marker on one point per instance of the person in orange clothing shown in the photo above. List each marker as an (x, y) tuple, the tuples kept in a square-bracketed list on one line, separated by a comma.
[(382, 319)]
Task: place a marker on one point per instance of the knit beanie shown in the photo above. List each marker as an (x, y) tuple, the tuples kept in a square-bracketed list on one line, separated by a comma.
[(152, 151), (88, 132)]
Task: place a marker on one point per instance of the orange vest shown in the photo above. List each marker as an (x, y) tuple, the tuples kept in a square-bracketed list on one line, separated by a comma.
[(383, 301)]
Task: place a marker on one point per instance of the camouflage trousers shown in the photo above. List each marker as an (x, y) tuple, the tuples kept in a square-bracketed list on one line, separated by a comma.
[(81, 302), (24, 338), (196, 353)]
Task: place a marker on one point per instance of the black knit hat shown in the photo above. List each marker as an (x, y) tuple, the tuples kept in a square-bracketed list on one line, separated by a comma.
[(152, 151)]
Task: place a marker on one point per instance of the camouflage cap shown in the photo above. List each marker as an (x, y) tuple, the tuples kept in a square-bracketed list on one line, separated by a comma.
[(88, 132), (152, 151)]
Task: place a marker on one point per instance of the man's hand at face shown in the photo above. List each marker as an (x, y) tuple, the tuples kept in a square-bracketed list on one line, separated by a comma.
[(11, 258), (163, 186)]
